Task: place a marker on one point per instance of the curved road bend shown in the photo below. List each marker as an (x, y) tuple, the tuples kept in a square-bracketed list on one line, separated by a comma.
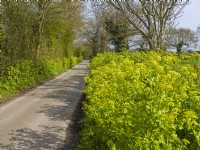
[(39, 119)]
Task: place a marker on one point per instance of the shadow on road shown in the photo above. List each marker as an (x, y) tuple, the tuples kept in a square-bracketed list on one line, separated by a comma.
[(24, 139), (68, 96), (66, 105)]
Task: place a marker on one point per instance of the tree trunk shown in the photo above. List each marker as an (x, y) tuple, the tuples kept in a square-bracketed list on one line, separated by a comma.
[(39, 45), (151, 45), (178, 48), (42, 5)]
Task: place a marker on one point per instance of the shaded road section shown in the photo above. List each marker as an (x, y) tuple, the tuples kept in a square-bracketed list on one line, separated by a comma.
[(39, 119)]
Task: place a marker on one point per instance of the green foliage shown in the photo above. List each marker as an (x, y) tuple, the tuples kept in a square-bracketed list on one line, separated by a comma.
[(142, 101), (19, 28), (75, 60), (118, 29), (27, 73), (41, 31), (78, 51), (38, 30)]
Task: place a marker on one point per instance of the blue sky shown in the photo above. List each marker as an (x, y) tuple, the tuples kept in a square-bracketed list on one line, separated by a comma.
[(191, 15)]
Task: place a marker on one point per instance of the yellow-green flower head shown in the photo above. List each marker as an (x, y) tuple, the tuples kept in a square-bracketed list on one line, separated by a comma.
[(174, 74), (190, 114), (160, 68), (167, 59), (169, 87), (193, 75), (111, 103), (184, 68)]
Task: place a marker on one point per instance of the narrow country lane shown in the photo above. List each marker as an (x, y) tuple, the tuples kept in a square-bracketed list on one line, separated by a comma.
[(39, 119)]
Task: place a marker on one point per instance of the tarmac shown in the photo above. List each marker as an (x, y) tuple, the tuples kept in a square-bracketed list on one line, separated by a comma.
[(40, 119)]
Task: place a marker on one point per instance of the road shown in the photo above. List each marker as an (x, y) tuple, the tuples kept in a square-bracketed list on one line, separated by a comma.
[(39, 119)]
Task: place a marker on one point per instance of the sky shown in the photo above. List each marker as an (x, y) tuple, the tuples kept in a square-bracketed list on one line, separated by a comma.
[(191, 15)]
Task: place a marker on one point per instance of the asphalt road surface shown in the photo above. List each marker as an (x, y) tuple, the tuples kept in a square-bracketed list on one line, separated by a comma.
[(39, 119)]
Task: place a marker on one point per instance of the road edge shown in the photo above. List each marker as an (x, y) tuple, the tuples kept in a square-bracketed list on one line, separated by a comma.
[(73, 131)]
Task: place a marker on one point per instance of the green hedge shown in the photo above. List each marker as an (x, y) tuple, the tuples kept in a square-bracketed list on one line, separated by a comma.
[(28, 73), (142, 101)]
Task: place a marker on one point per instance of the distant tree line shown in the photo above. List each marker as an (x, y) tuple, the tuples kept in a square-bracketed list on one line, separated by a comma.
[(148, 24)]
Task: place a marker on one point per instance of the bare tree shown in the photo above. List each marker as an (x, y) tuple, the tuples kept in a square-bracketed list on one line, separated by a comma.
[(108, 26), (181, 37), (150, 18), (96, 35), (198, 31), (94, 30), (198, 35)]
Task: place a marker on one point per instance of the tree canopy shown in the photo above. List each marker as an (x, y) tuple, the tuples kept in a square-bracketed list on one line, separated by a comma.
[(35, 30), (38, 30)]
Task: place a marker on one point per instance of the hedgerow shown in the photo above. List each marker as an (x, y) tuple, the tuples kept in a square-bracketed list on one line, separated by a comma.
[(142, 101), (28, 73)]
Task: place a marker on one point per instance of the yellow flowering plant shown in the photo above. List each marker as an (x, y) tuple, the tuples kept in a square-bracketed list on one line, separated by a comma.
[(142, 101)]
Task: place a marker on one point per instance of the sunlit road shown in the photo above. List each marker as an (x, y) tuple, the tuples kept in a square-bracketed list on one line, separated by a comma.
[(39, 119)]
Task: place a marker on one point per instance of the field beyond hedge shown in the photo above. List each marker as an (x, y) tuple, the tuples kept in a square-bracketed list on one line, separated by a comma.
[(142, 101)]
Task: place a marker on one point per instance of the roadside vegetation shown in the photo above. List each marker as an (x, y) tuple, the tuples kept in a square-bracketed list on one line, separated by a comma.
[(139, 95), (27, 74), (37, 42), (142, 101)]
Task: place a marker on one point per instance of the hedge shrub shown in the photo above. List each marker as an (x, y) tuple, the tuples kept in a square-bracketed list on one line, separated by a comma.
[(28, 73), (142, 101)]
